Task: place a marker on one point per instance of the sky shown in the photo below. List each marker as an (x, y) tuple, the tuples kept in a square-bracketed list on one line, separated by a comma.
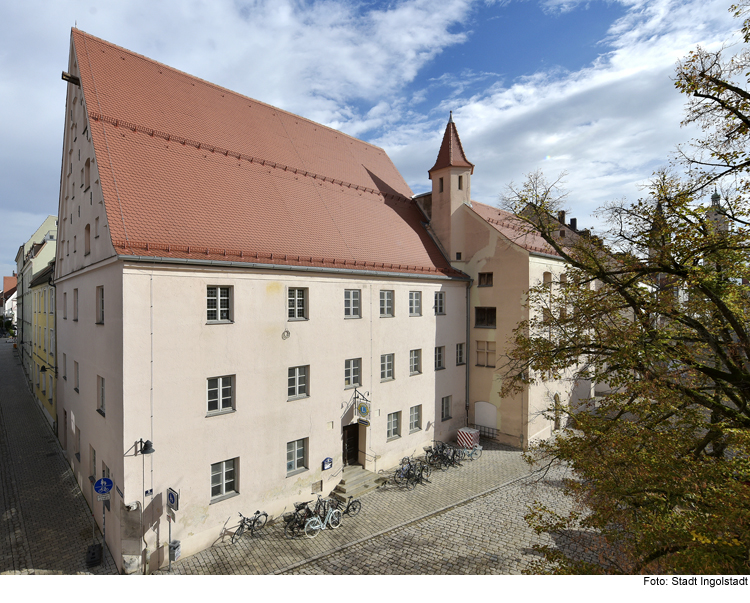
[(577, 86)]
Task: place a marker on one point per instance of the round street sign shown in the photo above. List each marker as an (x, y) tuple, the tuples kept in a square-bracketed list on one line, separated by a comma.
[(103, 485)]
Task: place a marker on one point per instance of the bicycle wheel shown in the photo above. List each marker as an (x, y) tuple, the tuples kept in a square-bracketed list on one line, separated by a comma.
[(398, 476), (477, 453), (335, 520), (291, 529), (259, 523), (411, 483), (238, 533), (355, 508), (313, 527), (426, 471)]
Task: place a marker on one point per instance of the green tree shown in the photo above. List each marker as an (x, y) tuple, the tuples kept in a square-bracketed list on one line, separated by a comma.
[(658, 312)]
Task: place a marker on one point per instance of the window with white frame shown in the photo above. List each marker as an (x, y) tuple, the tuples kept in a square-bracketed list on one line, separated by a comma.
[(393, 429), (386, 303), (439, 357), (43, 382), (100, 305), (386, 367), (297, 304), (296, 456), (75, 304), (220, 394), (100, 396), (51, 301), (439, 302), (351, 303), (486, 353), (460, 354), (415, 303), (52, 342), (445, 408), (352, 377), (223, 478), (50, 389), (415, 362), (218, 305), (415, 418), (297, 383)]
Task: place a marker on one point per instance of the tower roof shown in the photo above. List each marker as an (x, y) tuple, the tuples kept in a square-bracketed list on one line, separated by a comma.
[(451, 152)]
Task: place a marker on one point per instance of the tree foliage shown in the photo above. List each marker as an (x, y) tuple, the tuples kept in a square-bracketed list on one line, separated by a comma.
[(657, 314)]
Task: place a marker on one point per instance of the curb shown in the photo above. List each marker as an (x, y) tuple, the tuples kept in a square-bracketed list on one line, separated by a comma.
[(401, 525)]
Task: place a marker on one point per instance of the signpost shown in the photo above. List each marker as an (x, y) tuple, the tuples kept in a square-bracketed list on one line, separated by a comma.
[(102, 488), (173, 504)]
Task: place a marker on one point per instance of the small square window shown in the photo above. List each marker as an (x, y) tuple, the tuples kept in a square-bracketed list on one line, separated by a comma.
[(439, 358), (439, 302), (351, 303), (352, 372), (297, 383), (485, 279), (460, 354), (415, 362), (415, 418), (445, 408), (224, 478), (386, 303), (485, 318), (296, 456), (218, 304), (386, 367), (393, 429), (297, 304), (220, 394), (415, 303)]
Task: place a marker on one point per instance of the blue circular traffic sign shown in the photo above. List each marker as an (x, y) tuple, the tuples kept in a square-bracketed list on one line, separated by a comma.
[(103, 485)]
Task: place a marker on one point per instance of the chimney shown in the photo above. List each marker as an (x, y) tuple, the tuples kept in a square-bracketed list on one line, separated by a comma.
[(561, 217), (574, 224)]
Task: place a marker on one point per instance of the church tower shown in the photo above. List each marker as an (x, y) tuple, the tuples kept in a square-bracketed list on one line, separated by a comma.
[(451, 187)]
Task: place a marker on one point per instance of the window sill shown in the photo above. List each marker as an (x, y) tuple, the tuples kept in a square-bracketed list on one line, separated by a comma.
[(444, 419), (460, 364), (484, 286), (414, 315), (223, 497), (388, 379), (219, 322), (396, 437), (485, 327), (99, 322), (355, 386), (297, 319), (75, 389), (293, 398), (439, 313), (226, 411), (96, 237), (351, 317), (439, 368), (296, 472), (415, 430), (100, 411), (414, 374), (485, 366), (75, 320), (386, 316), (87, 253)]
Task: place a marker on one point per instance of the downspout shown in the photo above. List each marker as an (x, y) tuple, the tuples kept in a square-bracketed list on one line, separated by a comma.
[(468, 343)]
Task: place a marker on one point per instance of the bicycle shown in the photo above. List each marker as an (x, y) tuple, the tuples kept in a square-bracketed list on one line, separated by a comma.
[(473, 453), (256, 522), (353, 507), (295, 522), (314, 525)]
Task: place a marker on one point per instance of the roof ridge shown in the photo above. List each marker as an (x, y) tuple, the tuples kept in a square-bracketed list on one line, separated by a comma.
[(222, 88), (238, 155)]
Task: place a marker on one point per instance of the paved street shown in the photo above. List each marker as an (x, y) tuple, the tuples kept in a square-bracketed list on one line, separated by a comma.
[(45, 523)]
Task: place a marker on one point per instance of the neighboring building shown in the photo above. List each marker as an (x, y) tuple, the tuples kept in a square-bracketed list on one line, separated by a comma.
[(232, 281), (504, 260), (9, 296), (43, 357), (32, 256)]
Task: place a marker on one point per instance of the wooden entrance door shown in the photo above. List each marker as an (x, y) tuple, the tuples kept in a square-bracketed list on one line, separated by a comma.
[(351, 444)]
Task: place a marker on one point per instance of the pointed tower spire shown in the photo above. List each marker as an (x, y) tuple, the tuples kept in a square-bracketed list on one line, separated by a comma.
[(451, 152)]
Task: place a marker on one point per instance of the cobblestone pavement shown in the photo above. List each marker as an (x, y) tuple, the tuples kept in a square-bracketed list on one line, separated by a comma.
[(45, 523), (397, 531)]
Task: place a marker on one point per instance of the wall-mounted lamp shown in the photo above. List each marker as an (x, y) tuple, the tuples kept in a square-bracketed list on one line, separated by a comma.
[(44, 370), (144, 447)]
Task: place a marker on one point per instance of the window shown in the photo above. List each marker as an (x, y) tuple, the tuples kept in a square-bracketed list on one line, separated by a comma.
[(78, 444), (439, 302), (65, 367), (100, 305), (75, 238), (415, 362), (44, 340), (386, 367), (486, 353), (52, 342), (485, 318), (415, 303), (460, 183), (439, 358), (87, 240), (43, 382), (223, 480), (386, 304), (351, 303), (51, 301), (460, 358), (393, 430), (65, 305), (440, 185), (297, 382), (87, 174), (75, 375), (415, 418), (458, 256), (220, 394), (75, 304), (485, 279), (50, 389), (96, 228), (297, 304), (445, 408), (296, 453), (92, 459), (352, 372), (100, 398), (217, 304)]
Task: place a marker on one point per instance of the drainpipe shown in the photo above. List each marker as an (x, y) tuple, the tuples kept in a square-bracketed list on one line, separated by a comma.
[(468, 344)]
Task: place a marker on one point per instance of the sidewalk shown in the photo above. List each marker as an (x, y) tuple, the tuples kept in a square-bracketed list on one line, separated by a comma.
[(389, 507), (45, 523)]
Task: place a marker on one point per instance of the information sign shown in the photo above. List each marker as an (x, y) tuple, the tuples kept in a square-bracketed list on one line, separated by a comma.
[(103, 496), (103, 485)]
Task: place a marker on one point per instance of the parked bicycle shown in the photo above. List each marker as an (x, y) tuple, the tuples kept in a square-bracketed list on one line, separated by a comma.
[(294, 523), (256, 522), (353, 507), (315, 524), (473, 453)]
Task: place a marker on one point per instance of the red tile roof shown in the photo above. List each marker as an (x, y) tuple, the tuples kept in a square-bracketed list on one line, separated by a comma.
[(513, 228), (451, 153), (9, 282), (192, 170)]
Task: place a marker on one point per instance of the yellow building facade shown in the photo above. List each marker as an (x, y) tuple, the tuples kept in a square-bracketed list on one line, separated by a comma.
[(43, 346)]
